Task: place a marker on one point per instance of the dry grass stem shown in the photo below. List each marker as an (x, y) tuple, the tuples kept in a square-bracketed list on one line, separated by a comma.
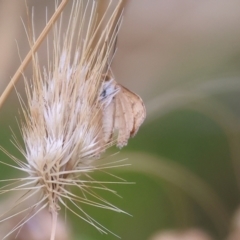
[(34, 48)]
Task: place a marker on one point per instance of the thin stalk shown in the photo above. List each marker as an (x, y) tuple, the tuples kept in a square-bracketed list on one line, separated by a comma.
[(33, 49), (54, 225)]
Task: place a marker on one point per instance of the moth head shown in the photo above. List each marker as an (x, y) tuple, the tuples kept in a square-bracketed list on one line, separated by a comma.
[(108, 91)]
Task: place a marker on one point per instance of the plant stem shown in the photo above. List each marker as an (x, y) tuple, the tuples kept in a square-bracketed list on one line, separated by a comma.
[(54, 224), (33, 49)]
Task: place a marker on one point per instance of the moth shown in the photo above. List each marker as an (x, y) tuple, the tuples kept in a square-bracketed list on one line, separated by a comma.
[(123, 111)]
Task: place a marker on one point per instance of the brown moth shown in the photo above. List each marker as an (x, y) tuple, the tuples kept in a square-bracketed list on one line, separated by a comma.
[(123, 111)]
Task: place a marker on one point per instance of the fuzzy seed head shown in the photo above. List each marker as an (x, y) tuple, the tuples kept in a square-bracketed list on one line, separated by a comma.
[(66, 125), (63, 122)]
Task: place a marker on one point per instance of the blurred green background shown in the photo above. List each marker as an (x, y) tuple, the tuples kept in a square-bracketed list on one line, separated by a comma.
[(182, 58)]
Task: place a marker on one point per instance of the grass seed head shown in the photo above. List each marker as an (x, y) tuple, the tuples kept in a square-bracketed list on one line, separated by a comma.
[(64, 127)]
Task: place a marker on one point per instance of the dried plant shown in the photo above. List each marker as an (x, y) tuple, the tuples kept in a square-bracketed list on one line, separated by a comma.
[(75, 110)]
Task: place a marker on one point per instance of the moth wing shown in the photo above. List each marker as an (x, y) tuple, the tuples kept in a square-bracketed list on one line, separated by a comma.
[(108, 119), (120, 122), (123, 112), (138, 109)]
